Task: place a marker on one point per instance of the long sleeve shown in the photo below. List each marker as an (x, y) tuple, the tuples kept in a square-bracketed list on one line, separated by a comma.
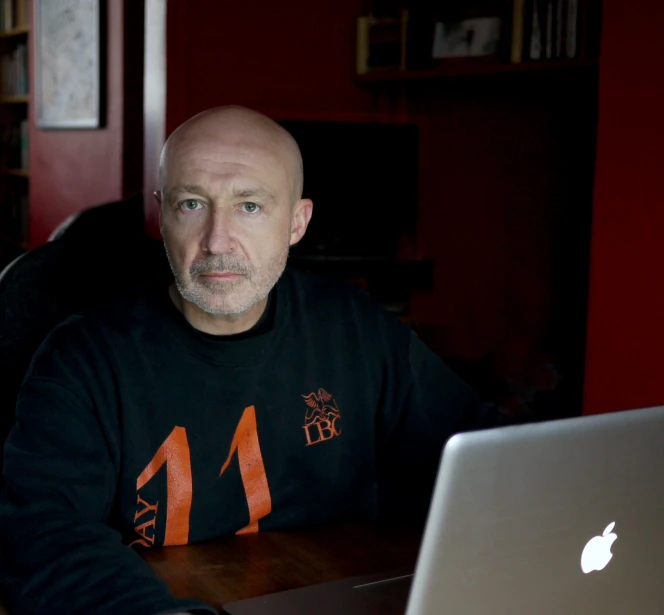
[(58, 553), (425, 403)]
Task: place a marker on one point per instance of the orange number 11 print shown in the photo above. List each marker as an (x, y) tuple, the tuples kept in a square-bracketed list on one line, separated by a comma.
[(174, 452)]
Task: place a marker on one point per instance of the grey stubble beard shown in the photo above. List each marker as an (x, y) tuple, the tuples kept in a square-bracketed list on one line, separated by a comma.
[(197, 290)]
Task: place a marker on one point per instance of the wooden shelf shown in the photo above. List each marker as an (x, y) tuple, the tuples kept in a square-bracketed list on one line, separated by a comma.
[(469, 67), (17, 172), (17, 243), (14, 100), (20, 31)]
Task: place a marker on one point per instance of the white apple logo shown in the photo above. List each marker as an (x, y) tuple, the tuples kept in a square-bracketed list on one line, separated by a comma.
[(597, 553)]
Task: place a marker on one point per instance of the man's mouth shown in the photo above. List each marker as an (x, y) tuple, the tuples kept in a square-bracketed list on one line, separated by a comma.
[(220, 275)]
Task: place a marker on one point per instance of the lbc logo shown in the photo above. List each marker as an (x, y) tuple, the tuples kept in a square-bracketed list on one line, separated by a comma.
[(320, 420), (321, 430)]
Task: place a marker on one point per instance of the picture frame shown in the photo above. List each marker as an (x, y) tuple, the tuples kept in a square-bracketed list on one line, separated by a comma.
[(68, 64)]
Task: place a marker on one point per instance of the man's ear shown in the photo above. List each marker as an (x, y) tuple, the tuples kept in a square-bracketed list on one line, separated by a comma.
[(158, 197), (302, 212)]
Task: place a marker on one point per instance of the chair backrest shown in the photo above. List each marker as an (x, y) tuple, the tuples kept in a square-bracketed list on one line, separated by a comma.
[(102, 254)]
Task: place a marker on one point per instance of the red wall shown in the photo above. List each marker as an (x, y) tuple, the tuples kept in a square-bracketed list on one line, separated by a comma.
[(504, 213), (625, 326), (74, 169), (278, 56)]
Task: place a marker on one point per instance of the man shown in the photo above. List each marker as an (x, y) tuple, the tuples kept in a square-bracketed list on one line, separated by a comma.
[(237, 400)]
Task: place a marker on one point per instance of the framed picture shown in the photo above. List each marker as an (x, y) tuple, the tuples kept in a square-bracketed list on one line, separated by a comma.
[(68, 63)]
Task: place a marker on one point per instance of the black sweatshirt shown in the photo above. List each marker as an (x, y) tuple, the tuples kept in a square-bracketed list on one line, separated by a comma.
[(136, 430)]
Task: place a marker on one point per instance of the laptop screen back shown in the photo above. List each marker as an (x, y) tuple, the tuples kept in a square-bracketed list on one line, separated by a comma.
[(516, 510)]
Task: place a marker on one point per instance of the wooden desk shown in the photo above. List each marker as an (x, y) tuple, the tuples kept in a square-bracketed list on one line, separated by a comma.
[(247, 566)]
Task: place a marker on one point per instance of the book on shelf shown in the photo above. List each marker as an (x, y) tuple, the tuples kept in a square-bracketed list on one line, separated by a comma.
[(14, 14), (532, 32), (7, 15), (14, 152), (362, 47), (14, 67), (518, 30), (559, 25), (381, 42), (24, 131), (540, 30), (549, 30), (555, 29), (572, 34), (590, 24), (14, 216), (512, 31)]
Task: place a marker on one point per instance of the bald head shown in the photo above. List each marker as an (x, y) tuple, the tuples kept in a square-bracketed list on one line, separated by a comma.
[(236, 127), (231, 207)]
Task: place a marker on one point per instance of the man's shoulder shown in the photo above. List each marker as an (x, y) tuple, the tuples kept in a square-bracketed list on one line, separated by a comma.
[(82, 343), (322, 291), (331, 300), (120, 316)]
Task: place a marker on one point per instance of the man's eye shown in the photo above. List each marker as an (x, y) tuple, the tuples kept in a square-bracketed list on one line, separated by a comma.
[(250, 208), (191, 205)]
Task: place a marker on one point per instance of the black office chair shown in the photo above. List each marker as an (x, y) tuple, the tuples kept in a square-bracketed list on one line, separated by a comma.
[(101, 254)]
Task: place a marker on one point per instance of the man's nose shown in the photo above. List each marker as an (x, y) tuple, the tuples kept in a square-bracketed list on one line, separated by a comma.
[(219, 236)]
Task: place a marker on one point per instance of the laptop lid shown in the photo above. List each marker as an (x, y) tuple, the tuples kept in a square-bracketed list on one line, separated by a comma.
[(558, 517)]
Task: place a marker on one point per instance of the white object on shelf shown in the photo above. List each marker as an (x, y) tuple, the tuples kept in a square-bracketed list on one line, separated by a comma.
[(470, 37)]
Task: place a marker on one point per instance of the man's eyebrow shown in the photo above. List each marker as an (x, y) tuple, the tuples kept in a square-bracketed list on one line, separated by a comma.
[(249, 192), (191, 189), (237, 192)]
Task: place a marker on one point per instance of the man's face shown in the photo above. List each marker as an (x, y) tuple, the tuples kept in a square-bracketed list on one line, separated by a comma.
[(227, 213)]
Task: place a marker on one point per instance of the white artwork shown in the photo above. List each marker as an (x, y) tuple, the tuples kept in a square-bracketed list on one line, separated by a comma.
[(68, 64), (470, 37)]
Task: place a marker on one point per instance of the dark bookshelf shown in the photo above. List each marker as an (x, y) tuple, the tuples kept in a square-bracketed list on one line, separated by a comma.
[(12, 241), (511, 36), (471, 66), (14, 109), (15, 32), (17, 172), (14, 100)]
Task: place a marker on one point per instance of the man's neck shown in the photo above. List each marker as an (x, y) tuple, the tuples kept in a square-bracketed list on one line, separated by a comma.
[(217, 325)]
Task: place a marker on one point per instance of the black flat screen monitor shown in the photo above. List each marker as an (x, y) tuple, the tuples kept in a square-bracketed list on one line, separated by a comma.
[(363, 180)]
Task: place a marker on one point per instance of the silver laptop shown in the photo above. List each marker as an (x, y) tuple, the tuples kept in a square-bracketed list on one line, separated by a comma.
[(564, 517)]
